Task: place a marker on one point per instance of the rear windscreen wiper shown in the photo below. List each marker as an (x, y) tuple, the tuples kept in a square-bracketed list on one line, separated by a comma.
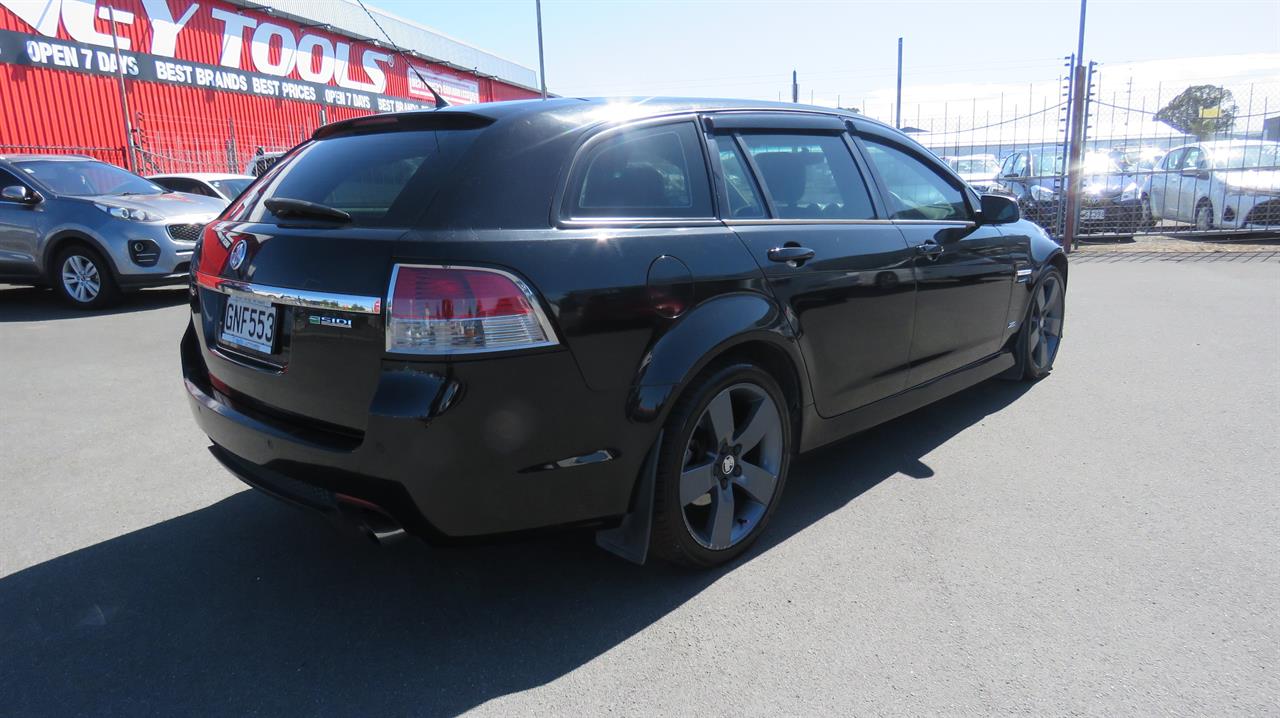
[(286, 207)]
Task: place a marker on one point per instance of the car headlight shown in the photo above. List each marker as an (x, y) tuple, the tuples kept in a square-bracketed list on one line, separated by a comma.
[(1130, 191), (1042, 194), (129, 213)]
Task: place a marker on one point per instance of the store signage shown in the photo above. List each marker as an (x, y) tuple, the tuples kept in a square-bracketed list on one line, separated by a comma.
[(282, 59)]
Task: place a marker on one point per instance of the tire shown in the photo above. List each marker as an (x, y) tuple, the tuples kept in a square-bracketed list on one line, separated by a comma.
[(1041, 334), (1204, 217), (714, 526), (82, 278), (1148, 218)]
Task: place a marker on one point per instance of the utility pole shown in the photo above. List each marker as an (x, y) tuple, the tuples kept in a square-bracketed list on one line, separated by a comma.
[(124, 98), (1076, 154), (897, 116), (795, 87), (542, 65)]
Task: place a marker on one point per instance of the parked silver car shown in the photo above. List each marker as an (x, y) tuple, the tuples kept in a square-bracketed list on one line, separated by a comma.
[(1230, 184), (209, 184), (89, 229)]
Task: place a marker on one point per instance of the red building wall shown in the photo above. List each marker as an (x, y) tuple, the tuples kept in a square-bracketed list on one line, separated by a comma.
[(179, 125)]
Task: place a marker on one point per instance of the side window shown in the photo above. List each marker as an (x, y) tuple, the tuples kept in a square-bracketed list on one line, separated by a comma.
[(1173, 159), (199, 187), (810, 176), (8, 180), (1019, 166), (646, 173), (177, 184), (742, 198), (1191, 158), (916, 190)]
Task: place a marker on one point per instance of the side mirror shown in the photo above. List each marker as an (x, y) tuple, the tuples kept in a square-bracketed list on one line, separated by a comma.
[(18, 193), (999, 209)]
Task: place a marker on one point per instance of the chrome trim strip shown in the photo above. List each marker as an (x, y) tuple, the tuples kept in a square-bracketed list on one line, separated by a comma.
[(547, 330), (779, 221), (293, 297)]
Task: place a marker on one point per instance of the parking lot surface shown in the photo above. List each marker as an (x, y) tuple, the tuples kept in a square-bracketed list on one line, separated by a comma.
[(1102, 542)]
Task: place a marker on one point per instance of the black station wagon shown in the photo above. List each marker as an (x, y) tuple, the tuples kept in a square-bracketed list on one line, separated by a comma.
[(622, 314)]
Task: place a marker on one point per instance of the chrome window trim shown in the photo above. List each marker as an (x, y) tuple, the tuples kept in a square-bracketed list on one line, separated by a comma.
[(775, 221), (543, 321), (325, 301)]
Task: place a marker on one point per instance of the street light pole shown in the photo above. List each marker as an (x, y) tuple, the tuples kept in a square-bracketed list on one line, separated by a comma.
[(124, 98), (897, 118), (542, 65), (1076, 153)]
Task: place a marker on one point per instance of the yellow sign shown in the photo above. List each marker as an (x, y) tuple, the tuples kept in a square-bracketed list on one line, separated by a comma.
[(1210, 113)]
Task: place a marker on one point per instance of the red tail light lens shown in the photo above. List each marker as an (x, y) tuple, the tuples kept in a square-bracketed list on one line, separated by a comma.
[(455, 310)]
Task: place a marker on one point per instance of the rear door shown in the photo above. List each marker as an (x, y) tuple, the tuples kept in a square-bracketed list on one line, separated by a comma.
[(793, 190), (964, 272)]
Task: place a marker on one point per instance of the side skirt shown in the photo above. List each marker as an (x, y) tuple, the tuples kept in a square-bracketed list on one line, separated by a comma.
[(819, 431)]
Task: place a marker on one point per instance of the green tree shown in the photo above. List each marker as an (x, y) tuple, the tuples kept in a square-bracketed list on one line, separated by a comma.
[(1200, 110)]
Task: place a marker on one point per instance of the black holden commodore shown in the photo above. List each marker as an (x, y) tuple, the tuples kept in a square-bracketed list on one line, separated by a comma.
[(627, 315)]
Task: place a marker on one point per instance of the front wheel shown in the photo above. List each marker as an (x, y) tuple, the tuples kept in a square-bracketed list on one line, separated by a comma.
[(83, 279), (722, 466), (1204, 217), (1041, 334)]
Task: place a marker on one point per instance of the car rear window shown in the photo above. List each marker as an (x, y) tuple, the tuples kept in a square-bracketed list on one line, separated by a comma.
[(381, 179)]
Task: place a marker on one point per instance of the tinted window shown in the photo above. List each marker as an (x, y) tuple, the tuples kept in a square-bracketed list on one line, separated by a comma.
[(1173, 158), (810, 176), (385, 179), (742, 199), (647, 173), (8, 180), (916, 190)]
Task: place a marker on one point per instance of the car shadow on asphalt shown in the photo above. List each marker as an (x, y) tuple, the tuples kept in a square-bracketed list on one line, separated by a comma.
[(248, 606), (36, 304)]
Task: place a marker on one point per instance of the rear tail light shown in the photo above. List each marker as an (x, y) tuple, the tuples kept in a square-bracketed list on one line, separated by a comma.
[(453, 310)]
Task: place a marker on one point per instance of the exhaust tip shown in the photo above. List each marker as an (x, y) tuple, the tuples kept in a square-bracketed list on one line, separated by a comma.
[(370, 520)]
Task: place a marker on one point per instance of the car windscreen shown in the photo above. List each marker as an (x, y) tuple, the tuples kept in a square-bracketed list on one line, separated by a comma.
[(87, 178), (231, 188), (380, 179)]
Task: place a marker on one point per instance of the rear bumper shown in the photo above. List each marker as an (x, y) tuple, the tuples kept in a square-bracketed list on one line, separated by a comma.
[(490, 460)]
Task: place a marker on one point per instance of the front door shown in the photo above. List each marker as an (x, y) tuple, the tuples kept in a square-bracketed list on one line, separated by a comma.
[(843, 272), (18, 232), (964, 271)]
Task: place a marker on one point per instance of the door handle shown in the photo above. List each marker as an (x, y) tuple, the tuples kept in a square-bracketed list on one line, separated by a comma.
[(791, 253), (929, 248)]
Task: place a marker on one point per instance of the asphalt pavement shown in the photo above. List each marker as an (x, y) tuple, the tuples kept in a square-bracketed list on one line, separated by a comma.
[(1102, 542)]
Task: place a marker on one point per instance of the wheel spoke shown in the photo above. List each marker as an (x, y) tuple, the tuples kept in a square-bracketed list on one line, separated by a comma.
[(1050, 295), (757, 482), (695, 482), (763, 420), (1042, 355), (1053, 326), (720, 414), (721, 521), (91, 287), (1035, 336)]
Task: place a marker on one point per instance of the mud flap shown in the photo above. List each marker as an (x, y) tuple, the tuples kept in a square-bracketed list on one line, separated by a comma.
[(630, 540)]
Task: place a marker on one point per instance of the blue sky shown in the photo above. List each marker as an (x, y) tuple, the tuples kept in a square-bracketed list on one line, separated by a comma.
[(843, 50)]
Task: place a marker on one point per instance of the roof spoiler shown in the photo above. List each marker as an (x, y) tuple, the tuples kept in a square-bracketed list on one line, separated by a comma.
[(404, 121)]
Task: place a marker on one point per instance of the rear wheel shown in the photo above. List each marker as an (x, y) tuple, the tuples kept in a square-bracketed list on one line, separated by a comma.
[(1041, 334), (722, 466), (83, 279)]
